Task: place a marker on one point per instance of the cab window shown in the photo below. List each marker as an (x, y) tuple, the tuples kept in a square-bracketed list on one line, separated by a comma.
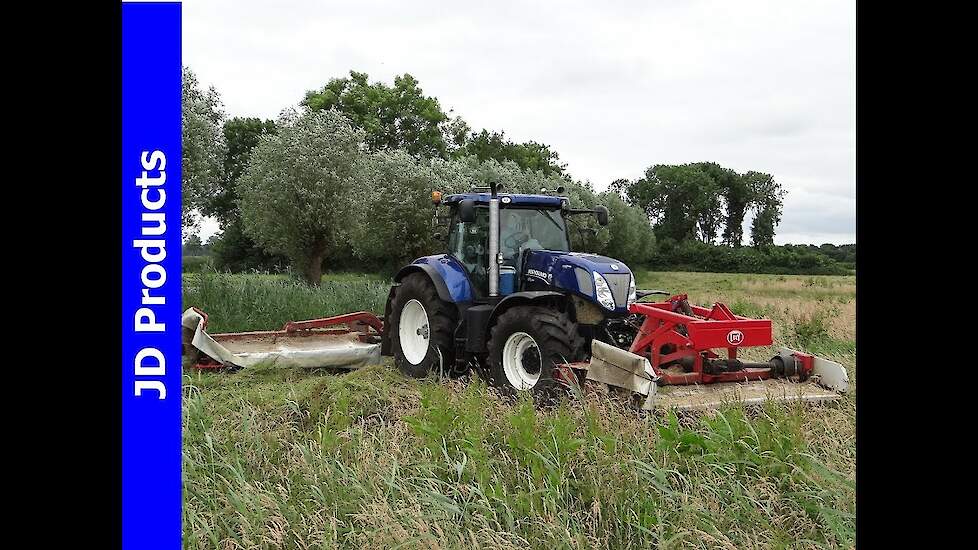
[(469, 243)]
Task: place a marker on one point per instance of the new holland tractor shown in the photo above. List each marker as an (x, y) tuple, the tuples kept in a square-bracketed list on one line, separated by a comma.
[(509, 297)]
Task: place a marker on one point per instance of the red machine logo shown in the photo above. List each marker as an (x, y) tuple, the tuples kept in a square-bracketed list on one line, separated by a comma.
[(735, 337)]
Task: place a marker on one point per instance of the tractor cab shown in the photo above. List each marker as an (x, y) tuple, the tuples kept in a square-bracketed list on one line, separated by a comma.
[(526, 223)]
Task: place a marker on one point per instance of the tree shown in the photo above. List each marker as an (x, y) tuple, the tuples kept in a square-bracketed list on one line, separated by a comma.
[(630, 236), (529, 155), (693, 201), (736, 195), (768, 201), (398, 117), (192, 246), (620, 187), (241, 135), (393, 192), (233, 249), (682, 201), (292, 190), (203, 146)]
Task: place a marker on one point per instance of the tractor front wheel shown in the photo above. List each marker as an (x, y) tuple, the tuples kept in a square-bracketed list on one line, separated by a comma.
[(422, 328), (526, 345)]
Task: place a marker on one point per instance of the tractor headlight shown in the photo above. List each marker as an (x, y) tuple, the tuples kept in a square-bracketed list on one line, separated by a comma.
[(631, 292), (603, 291)]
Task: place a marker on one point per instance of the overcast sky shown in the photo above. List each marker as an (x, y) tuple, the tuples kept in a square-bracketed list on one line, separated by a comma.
[(613, 87)]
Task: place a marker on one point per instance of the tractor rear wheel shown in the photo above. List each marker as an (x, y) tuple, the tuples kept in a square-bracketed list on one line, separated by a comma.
[(525, 346), (422, 328)]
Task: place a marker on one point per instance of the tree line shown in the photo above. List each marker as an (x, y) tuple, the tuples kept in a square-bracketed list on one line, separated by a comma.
[(344, 180), (706, 202)]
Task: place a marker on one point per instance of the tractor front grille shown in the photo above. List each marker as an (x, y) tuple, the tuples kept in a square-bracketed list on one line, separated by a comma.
[(619, 283)]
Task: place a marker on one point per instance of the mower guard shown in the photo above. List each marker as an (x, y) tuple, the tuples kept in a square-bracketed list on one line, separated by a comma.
[(623, 369), (346, 341), (830, 374), (620, 368)]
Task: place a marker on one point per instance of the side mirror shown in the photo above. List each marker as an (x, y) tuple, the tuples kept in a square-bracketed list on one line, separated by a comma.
[(602, 214), (466, 211)]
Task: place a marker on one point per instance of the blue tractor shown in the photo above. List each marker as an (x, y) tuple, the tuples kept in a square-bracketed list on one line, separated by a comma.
[(509, 297)]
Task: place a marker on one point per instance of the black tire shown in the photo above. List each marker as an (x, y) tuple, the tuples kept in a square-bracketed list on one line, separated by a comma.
[(442, 319), (556, 339)]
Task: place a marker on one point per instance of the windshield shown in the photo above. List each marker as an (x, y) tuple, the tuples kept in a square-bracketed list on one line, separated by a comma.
[(531, 229)]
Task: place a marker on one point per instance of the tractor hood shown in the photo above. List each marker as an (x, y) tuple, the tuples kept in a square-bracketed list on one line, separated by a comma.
[(574, 271)]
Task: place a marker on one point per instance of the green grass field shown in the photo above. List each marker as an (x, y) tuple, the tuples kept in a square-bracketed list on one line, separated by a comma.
[(306, 459)]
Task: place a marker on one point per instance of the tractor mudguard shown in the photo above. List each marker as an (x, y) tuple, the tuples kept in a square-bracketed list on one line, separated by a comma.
[(527, 296), (437, 268), (436, 279)]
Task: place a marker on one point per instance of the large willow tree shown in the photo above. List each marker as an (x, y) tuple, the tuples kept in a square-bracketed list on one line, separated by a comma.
[(292, 192)]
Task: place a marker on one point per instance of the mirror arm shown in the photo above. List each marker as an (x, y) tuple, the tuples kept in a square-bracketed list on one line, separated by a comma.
[(575, 211)]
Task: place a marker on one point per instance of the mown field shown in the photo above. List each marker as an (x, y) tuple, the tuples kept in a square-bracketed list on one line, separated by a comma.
[(370, 459)]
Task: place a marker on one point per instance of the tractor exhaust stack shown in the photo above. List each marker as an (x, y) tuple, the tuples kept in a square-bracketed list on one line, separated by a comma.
[(494, 257)]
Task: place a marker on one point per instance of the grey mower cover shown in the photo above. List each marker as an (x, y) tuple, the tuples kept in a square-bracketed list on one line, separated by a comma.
[(307, 350)]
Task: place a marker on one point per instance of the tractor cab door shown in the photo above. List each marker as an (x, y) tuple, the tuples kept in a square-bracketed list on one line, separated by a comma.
[(469, 244)]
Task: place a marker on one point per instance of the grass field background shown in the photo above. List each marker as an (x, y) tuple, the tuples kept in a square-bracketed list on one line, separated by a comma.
[(309, 459)]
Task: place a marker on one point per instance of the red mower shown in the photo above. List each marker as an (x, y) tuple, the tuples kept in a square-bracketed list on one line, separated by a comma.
[(674, 359)]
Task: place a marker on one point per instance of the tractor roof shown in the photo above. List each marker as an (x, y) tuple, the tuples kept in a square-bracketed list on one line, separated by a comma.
[(526, 200)]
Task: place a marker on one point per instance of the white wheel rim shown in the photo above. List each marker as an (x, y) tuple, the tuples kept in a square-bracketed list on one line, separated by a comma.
[(513, 354), (414, 332)]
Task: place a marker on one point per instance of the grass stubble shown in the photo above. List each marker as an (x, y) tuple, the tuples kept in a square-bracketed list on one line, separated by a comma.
[(290, 458)]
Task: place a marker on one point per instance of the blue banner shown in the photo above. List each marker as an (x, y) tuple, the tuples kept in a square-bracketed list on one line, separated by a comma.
[(151, 371)]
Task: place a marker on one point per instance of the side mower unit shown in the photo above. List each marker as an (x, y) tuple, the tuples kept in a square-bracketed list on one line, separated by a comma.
[(346, 341)]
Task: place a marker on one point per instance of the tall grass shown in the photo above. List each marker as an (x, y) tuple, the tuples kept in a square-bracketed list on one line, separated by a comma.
[(371, 459), (240, 303), (291, 458)]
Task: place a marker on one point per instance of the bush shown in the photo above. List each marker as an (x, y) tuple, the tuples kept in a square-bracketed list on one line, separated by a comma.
[(785, 259), (810, 329), (236, 252), (630, 236), (197, 264)]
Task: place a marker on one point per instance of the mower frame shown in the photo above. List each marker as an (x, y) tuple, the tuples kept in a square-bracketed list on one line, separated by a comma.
[(674, 330)]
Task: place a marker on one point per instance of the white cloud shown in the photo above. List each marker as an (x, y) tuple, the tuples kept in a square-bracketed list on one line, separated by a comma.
[(614, 88)]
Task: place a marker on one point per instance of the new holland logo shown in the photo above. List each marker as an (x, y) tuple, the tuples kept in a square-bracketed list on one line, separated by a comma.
[(735, 337), (540, 274)]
